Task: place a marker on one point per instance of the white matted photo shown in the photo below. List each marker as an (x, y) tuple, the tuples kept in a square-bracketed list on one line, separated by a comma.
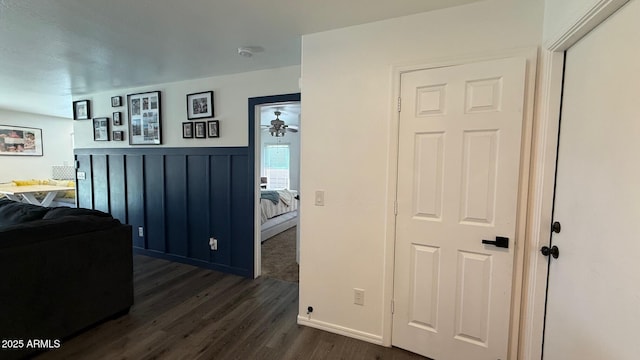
[(101, 129), (201, 129), (213, 129), (200, 105), (145, 119), (116, 101), (81, 110), (187, 130)]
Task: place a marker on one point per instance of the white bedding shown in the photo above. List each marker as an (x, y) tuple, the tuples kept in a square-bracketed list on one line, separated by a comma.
[(286, 204)]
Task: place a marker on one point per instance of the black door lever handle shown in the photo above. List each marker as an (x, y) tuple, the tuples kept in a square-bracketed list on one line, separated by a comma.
[(501, 242)]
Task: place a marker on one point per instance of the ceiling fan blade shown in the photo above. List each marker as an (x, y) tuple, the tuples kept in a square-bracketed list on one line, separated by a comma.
[(292, 129)]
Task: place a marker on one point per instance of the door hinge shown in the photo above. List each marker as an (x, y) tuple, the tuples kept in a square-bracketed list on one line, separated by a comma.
[(395, 207), (393, 308), (399, 103)]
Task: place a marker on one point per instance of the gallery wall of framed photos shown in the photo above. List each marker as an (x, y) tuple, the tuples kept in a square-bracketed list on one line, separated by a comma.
[(201, 106), (228, 106)]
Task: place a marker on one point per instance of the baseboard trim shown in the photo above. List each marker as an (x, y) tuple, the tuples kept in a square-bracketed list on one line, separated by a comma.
[(341, 330), (192, 261)]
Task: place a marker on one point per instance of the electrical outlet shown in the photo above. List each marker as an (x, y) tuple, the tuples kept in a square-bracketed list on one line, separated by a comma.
[(358, 296), (213, 243), (140, 231), (319, 197)]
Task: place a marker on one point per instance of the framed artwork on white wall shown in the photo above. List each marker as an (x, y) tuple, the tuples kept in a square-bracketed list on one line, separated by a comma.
[(101, 129), (20, 141), (145, 118), (81, 110), (116, 101), (213, 129), (200, 105)]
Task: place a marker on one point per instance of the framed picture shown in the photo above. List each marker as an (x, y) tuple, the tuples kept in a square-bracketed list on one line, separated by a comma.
[(187, 130), (213, 129), (101, 129), (21, 141), (116, 101), (116, 119), (118, 135), (201, 129), (200, 105), (81, 110), (145, 118)]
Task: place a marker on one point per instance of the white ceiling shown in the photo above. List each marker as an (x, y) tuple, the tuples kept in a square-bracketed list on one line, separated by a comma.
[(50, 50)]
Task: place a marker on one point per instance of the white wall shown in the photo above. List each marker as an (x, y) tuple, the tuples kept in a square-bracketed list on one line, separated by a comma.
[(57, 146), (347, 101), (231, 94)]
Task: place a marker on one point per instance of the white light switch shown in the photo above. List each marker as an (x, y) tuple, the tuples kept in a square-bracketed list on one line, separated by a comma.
[(319, 197), (358, 296)]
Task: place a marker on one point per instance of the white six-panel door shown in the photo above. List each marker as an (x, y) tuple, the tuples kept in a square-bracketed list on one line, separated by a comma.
[(593, 298), (458, 176)]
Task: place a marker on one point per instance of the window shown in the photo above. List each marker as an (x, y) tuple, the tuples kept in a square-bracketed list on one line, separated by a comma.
[(276, 165)]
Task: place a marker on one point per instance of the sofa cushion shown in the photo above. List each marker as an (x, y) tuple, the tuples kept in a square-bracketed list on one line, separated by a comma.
[(51, 229), (57, 212), (13, 212)]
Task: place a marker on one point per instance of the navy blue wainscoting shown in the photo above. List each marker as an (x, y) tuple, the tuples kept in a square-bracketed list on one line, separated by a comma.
[(180, 197)]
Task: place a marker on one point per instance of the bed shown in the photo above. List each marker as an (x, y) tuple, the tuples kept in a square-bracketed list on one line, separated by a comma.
[(278, 211)]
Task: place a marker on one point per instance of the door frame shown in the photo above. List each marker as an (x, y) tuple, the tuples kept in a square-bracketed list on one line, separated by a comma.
[(254, 164), (530, 55), (543, 168)]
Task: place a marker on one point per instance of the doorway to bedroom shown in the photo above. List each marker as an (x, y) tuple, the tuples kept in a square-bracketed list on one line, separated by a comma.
[(277, 169)]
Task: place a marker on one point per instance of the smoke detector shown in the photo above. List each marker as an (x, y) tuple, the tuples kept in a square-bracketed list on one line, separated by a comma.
[(245, 51)]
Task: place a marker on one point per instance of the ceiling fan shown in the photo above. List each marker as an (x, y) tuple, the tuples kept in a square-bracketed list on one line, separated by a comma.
[(278, 127)]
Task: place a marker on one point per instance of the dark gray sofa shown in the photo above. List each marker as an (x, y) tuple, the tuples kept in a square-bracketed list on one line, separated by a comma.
[(61, 271)]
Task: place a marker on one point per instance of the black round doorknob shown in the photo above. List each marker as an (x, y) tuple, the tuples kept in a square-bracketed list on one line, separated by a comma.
[(553, 251), (556, 227)]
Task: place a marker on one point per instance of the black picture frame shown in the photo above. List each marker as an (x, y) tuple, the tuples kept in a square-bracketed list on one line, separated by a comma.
[(117, 118), (101, 129), (82, 110), (200, 105), (118, 135), (116, 101), (145, 118), (200, 130), (213, 129), (187, 130)]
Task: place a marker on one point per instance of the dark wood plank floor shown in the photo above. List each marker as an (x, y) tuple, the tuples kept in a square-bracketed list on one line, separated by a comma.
[(185, 312)]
